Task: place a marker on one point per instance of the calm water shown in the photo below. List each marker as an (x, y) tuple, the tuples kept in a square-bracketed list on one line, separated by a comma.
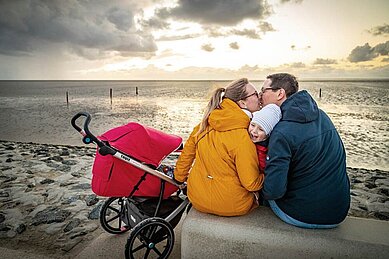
[(36, 111)]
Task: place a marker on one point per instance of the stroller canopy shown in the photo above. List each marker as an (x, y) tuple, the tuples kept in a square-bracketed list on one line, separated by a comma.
[(145, 144), (113, 177)]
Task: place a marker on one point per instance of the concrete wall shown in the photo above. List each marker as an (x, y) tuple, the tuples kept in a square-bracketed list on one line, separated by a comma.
[(261, 234)]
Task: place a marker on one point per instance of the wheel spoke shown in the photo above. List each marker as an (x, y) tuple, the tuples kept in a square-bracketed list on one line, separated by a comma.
[(138, 248), (159, 240), (117, 216), (147, 253), (160, 235), (114, 209), (156, 250)]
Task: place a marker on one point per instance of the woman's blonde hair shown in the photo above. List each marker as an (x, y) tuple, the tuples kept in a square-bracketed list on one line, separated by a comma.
[(235, 91)]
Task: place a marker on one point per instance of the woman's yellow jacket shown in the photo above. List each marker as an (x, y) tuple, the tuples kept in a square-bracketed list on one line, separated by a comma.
[(225, 164)]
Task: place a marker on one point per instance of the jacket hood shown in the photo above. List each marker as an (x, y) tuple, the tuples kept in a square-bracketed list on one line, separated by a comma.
[(300, 107), (229, 117)]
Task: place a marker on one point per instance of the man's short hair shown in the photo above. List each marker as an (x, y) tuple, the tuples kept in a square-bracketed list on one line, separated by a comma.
[(285, 81)]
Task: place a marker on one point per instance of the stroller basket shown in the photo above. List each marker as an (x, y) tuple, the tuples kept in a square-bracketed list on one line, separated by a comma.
[(140, 209)]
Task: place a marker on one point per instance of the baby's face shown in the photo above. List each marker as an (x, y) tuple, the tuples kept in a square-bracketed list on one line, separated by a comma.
[(256, 133)]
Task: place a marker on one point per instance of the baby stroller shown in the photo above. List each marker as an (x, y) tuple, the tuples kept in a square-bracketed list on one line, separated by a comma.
[(143, 197)]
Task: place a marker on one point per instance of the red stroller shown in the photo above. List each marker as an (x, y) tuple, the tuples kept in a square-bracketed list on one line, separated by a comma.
[(144, 198)]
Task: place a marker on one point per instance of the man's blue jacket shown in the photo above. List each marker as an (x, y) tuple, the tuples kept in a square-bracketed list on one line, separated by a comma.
[(306, 165)]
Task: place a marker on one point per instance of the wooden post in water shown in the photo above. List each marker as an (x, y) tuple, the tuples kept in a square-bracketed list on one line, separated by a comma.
[(320, 93), (67, 98), (110, 94), (136, 90)]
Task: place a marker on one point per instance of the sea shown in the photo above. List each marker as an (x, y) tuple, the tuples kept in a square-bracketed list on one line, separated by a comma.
[(41, 111)]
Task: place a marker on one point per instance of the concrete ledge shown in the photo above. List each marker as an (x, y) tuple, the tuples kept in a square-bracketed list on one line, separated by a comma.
[(261, 234)]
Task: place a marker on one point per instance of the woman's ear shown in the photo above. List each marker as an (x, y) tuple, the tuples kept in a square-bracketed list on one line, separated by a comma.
[(242, 104)]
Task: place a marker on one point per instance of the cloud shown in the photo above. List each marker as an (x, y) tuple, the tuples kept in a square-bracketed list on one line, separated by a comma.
[(322, 61), (265, 27), (213, 31), (382, 49), (291, 1), (362, 53), (155, 23), (293, 47), (178, 37), (102, 27), (234, 45), (380, 30), (249, 33), (207, 47), (296, 65), (366, 53), (122, 19), (217, 12)]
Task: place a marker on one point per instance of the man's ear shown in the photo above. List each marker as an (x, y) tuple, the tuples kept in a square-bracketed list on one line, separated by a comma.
[(281, 94)]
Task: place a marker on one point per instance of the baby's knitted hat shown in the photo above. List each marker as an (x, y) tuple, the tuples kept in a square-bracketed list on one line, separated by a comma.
[(267, 117)]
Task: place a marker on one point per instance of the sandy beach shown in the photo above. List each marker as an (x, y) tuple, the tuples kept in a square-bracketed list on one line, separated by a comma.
[(47, 205)]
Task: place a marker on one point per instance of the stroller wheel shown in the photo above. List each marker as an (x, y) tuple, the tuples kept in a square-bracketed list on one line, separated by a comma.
[(151, 238), (111, 215)]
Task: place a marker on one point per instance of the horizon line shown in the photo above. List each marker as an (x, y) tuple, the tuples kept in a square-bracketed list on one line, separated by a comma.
[(308, 79)]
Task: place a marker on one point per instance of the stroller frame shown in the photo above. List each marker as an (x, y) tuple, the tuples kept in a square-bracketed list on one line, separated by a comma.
[(150, 231)]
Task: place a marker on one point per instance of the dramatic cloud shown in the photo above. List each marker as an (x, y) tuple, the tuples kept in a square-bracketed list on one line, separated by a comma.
[(218, 12), (234, 45), (380, 30), (322, 61), (122, 19), (207, 47), (101, 27), (366, 53)]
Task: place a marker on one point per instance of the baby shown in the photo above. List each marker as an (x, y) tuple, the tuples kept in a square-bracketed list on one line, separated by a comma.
[(262, 124)]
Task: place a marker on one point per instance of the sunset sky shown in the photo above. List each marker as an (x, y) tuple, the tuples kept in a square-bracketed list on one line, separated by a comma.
[(193, 39)]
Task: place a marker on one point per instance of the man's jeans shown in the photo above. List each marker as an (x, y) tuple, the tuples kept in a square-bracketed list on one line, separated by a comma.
[(288, 219)]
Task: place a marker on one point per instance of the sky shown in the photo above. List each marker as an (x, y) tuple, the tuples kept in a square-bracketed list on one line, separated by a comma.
[(193, 39)]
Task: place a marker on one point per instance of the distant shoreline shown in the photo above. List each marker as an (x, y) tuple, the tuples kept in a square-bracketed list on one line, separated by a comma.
[(202, 80)]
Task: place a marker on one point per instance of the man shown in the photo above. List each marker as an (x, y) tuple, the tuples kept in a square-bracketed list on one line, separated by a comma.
[(306, 182)]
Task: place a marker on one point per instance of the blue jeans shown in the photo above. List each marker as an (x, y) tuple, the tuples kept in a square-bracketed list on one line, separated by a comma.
[(288, 219)]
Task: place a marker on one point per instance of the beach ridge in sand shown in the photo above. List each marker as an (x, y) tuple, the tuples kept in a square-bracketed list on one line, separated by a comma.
[(47, 204)]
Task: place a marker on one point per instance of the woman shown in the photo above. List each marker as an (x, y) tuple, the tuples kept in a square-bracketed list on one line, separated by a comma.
[(225, 170)]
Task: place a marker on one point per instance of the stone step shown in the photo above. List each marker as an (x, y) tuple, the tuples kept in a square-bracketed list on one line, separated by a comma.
[(260, 234)]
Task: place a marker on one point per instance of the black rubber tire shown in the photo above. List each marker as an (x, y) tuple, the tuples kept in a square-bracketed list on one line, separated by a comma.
[(113, 224), (151, 235)]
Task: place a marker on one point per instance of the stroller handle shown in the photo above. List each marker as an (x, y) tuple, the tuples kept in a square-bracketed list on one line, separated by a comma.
[(88, 136)]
